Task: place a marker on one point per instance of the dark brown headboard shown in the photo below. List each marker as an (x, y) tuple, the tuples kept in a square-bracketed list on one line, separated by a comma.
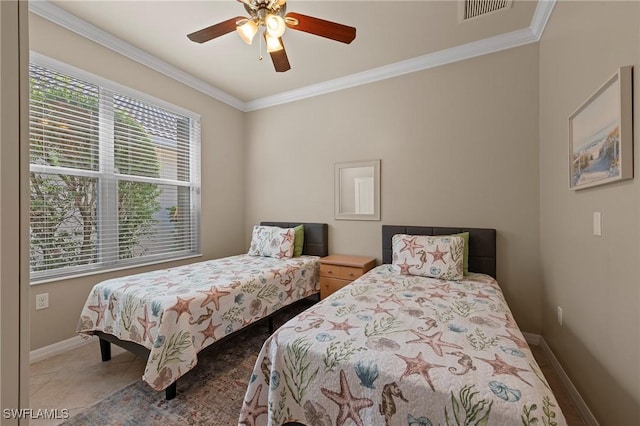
[(316, 236), (482, 244)]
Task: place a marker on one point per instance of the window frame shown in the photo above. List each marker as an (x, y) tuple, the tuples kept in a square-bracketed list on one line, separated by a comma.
[(110, 262)]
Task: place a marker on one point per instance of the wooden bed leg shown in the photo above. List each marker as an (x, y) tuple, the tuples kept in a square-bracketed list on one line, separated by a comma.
[(105, 350), (171, 391), (270, 325)]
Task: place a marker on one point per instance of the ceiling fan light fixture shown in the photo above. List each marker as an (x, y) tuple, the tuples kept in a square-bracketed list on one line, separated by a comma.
[(273, 43), (275, 25), (247, 31)]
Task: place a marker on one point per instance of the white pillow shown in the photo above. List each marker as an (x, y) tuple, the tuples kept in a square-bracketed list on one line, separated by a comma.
[(429, 256), (272, 241)]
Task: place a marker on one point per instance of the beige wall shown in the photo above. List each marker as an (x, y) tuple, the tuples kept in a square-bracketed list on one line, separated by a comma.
[(222, 172), (459, 147), (595, 279), (476, 143)]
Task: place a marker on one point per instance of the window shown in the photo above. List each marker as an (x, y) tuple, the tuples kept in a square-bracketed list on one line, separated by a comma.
[(114, 175)]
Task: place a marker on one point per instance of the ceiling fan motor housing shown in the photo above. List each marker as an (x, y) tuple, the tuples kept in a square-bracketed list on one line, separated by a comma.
[(259, 9)]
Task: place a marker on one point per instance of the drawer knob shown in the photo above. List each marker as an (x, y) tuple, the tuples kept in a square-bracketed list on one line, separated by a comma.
[(350, 274), (330, 271)]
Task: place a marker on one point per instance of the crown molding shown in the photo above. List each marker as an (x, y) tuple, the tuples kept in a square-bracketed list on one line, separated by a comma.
[(532, 34), (431, 60), (71, 22), (541, 17), (420, 63)]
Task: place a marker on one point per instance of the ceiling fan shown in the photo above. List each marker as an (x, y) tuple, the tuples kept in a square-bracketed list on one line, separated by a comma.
[(270, 14)]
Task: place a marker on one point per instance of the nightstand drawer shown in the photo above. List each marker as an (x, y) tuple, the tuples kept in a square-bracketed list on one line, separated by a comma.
[(331, 285), (350, 273), (338, 270), (341, 272)]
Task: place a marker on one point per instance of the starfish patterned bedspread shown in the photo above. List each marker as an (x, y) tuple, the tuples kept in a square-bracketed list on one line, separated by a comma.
[(177, 312), (392, 349)]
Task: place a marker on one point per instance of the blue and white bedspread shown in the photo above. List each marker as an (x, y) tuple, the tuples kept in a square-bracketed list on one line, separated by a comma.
[(392, 349), (177, 312)]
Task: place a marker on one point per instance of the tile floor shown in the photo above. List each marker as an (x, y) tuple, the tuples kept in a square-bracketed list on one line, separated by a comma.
[(77, 379)]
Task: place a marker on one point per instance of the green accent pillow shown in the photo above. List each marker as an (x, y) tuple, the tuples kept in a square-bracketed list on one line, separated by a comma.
[(465, 256), (299, 240)]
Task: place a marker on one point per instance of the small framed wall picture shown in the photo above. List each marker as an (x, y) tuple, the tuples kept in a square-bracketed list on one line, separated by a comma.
[(601, 134)]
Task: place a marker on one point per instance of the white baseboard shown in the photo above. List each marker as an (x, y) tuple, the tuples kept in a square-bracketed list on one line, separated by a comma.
[(583, 411), (532, 339), (58, 348)]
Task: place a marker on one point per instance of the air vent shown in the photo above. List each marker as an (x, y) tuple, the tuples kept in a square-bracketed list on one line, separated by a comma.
[(470, 9)]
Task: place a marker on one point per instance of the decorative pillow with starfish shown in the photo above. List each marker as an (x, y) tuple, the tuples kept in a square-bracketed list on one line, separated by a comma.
[(429, 256), (272, 241)]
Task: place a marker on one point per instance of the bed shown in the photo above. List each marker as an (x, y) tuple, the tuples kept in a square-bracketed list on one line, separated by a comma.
[(170, 315), (405, 349)]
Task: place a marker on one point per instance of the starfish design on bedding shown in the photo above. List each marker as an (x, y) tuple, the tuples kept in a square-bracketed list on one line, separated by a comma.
[(209, 332), (435, 341), (501, 367), (349, 405), (291, 270), (213, 295), (404, 267), (290, 292), (518, 341), (98, 309), (288, 237), (380, 310), (127, 285), (392, 298), (508, 321), (437, 296), (344, 326), (390, 283), (251, 409), (419, 366), (410, 245), (438, 255), (146, 325), (181, 306), (481, 295), (446, 287)]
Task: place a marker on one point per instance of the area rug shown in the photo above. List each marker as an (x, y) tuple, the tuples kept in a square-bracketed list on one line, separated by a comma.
[(210, 394)]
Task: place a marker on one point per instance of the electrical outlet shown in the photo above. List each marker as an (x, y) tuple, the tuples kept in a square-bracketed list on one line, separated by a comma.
[(559, 315), (42, 301)]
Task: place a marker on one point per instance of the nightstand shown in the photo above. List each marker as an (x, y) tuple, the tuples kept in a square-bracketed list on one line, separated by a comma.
[(338, 270)]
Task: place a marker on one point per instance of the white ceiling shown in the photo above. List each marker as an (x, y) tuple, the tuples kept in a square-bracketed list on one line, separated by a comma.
[(393, 37)]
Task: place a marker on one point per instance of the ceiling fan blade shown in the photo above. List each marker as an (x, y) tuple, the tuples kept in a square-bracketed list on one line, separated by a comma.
[(280, 59), (322, 28), (215, 31)]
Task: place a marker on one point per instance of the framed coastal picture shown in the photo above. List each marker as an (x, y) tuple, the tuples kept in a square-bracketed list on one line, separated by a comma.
[(601, 135)]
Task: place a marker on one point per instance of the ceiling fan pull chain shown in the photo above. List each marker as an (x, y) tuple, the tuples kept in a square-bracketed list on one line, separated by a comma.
[(260, 49)]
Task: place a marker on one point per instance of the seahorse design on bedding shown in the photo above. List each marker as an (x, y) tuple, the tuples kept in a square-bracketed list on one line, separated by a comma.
[(388, 406)]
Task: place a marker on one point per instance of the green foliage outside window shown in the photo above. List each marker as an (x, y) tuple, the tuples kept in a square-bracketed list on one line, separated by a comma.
[(64, 206)]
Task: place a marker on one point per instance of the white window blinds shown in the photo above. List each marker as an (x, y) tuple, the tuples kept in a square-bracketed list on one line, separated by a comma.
[(114, 177)]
